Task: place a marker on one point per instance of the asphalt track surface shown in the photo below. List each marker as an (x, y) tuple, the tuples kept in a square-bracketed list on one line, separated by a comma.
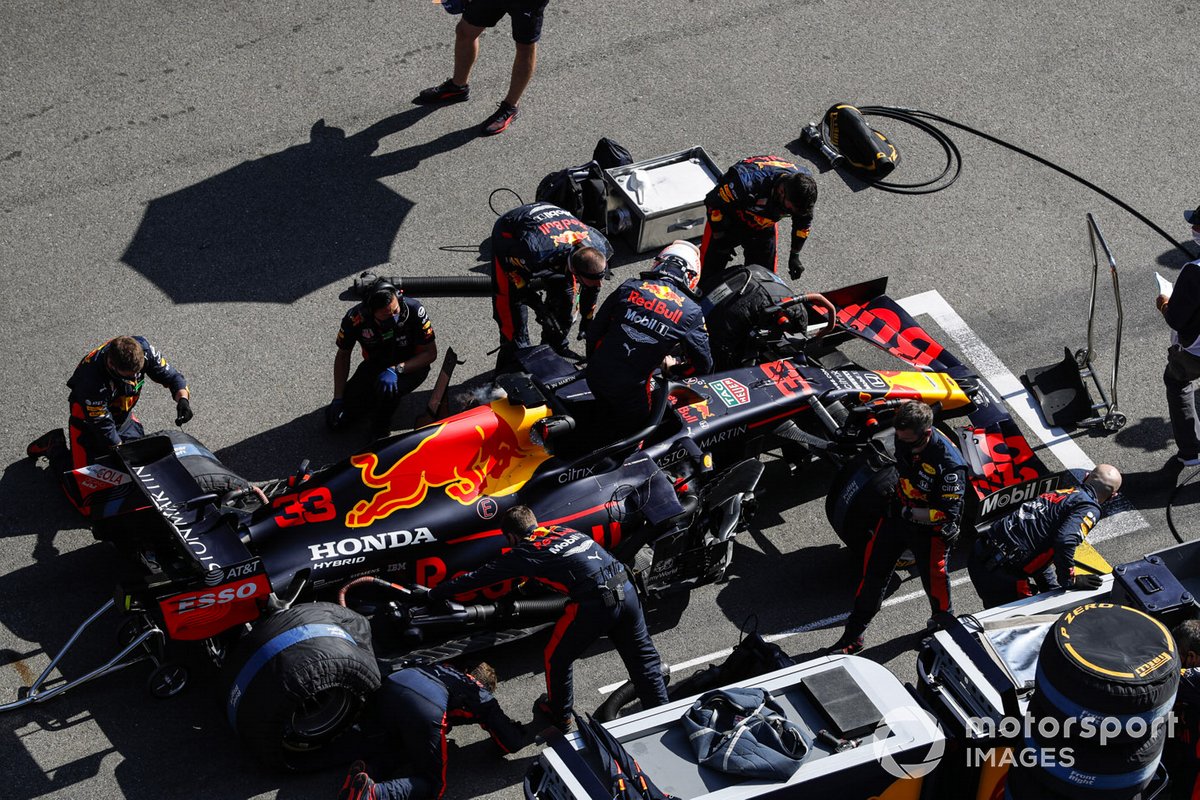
[(160, 174)]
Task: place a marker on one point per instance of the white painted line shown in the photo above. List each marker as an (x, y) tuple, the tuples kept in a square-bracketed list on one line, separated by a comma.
[(990, 368), (775, 637)]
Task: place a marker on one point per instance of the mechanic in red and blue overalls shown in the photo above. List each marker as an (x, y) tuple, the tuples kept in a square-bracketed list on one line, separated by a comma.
[(104, 389), (1033, 547), (602, 601), (644, 322), (538, 247), (418, 706), (924, 517), (398, 347), (743, 209), (1181, 755)]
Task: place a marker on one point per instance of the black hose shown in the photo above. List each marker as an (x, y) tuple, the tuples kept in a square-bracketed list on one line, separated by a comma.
[(917, 118), (610, 709), (495, 192), (473, 285), (1171, 504)]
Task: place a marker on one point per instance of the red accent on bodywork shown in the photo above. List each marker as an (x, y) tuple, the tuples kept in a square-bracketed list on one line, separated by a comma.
[(191, 616)]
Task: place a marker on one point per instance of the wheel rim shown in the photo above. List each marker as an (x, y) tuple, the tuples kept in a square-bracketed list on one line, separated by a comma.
[(319, 716)]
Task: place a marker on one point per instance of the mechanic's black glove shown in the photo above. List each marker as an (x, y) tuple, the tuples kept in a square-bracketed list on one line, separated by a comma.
[(418, 591), (1085, 582), (795, 268), (183, 411), (335, 414), (949, 534), (583, 328)]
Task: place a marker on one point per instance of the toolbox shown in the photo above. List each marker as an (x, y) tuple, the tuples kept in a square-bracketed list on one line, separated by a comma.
[(1150, 585), (656, 201)]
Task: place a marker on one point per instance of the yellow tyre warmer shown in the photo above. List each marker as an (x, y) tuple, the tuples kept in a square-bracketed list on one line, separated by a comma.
[(1105, 684)]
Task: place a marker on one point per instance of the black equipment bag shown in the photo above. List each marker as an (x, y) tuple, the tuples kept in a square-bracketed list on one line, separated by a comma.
[(864, 148), (582, 189)]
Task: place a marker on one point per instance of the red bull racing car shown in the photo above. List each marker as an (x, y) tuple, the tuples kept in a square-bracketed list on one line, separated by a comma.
[(298, 587)]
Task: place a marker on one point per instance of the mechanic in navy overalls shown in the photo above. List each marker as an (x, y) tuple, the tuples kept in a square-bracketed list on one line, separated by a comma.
[(743, 209), (1181, 755), (397, 348), (418, 707), (541, 246), (924, 517), (1036, 542), (602, 601), (645, 321), (104, 389)]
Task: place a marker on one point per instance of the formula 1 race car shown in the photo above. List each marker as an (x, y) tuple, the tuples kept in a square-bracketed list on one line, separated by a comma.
[(299, 588)]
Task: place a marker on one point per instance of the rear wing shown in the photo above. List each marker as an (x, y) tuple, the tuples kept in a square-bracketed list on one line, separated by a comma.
[(181, 533)]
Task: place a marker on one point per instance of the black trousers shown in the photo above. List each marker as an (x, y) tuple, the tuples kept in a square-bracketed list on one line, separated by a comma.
[(891, 539), (363, 396), (585, 621)]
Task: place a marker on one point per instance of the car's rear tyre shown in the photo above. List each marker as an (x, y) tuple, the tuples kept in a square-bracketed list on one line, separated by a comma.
[(201, 464), (298, 680)]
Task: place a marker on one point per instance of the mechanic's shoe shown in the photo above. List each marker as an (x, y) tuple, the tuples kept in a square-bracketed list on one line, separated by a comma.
[(846, 646), (906, 560), (939, 621), (445, 92), (359, 767), (1194, 461), (542, 710), (500, 119), (361, 788), (47, 443)]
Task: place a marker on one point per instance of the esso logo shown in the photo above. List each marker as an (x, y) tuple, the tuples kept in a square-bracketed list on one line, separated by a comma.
[(194, 602)]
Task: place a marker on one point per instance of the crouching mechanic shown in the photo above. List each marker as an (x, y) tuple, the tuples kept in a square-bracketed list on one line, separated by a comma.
[(751, 298), (650, 321), (397, 348), (743, 209), (603, 601), (924, 517), (1181, 755), (418, 706), (540, 246), (104, 389), (1033, 547)]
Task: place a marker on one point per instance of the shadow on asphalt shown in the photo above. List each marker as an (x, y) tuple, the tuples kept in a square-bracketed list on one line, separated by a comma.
[(279, 227)]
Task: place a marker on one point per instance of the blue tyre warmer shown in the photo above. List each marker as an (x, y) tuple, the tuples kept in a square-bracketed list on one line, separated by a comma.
[(268, 651)]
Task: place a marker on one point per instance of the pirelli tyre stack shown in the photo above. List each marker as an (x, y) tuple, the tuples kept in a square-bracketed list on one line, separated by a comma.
[(1099, 716)]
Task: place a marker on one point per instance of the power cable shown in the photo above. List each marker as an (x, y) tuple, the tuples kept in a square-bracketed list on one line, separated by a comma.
[(918, 119)]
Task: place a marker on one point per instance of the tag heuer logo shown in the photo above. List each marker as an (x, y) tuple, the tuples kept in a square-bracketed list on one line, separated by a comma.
[(730, 392)]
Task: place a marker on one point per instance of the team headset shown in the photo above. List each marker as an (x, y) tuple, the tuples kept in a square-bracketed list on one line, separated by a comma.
[(381, 295)]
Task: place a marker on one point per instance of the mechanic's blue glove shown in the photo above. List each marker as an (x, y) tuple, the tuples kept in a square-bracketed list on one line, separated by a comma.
[(183, 411), (454, 6), (335, 414), (388, 382)]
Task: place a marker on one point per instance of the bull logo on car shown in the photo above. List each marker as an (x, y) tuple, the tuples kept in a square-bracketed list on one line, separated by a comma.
[(474, 454)]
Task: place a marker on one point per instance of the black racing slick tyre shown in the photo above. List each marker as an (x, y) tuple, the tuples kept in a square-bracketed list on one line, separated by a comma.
[(201, 464), (857, 499), (299, 679)]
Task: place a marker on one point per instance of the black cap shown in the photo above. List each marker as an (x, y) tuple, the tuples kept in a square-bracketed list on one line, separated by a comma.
[(1193, 217)]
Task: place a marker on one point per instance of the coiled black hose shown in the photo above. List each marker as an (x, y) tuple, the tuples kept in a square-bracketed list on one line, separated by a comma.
[(920, 119)]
